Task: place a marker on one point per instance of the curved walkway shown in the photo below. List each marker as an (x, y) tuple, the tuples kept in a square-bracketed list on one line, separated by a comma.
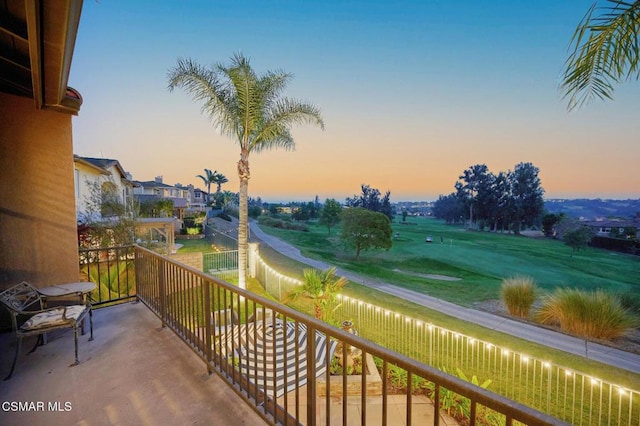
[(594, 351)]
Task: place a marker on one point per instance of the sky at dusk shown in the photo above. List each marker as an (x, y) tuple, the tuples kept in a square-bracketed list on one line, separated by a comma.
[(412, 93)]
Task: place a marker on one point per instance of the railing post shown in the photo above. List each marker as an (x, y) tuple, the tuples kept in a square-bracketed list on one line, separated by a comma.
[(410, 397), (436, 405), (207, 323), (137, 270), (162, 290), (311, 375)]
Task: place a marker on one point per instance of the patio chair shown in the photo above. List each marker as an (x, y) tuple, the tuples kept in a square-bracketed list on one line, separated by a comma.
[(28, 317)]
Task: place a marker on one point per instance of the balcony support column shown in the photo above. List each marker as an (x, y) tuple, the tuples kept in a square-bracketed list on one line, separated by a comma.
[(254, 250)]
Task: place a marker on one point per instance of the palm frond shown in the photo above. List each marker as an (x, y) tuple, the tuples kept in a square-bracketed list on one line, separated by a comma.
[(283, 114), (605, 50), (204, 85), (272, 85), (199, 82), (290, 111), (281, 138)]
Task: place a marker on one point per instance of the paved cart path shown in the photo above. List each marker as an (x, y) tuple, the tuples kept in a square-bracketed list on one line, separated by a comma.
[(602, 353)]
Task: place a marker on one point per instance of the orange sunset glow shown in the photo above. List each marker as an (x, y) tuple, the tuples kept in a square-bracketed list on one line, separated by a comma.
[(410, 97)]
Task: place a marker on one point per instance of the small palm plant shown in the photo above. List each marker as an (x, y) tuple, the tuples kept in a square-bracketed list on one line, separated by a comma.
[(113, 279), (320, 286), (587, 314), (518, 294)]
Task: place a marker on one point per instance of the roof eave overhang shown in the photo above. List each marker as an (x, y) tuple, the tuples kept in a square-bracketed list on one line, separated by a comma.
[(90, 165), (52, 28)]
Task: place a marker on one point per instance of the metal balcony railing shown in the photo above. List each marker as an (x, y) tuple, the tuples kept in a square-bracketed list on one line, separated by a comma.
[(277, 359), (113, 271)]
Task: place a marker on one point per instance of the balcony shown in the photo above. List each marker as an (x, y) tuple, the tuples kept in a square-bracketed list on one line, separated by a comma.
[(133, 372), (150, 360)]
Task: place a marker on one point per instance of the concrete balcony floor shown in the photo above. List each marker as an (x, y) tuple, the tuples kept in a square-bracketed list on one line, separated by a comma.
[(136, 372), (133, 372)]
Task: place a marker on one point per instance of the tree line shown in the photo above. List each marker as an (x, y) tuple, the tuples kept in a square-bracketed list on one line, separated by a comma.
[(366, 218), (507, 201)]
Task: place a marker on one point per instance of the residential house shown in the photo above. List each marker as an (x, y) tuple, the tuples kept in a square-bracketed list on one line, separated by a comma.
[(199, 198), (613, 228), (96, 179), (157, 190)]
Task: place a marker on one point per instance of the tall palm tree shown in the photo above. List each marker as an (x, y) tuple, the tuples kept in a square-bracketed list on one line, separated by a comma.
[(605, 51), (249, 108), (208, 179)]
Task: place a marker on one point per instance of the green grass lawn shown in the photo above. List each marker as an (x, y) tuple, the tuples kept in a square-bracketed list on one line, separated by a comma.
[(480, 259), (193, 246)]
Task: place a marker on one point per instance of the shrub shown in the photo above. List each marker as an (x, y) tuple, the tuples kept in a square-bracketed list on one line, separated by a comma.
[(518, 295), (337, 370), (193, 231), (254, 211), (266, 220), (451, 402), (587, 314), (281, 224), (224, 216), (459, 406), (232, 211), (192, 222), (631, 302)]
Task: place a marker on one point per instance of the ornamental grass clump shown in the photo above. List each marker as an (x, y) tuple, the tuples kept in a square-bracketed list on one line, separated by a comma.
[(518, 295), (631, 302), (594, 314)]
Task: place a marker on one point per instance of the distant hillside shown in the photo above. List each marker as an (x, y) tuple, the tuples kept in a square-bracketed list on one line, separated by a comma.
[(593, 209)]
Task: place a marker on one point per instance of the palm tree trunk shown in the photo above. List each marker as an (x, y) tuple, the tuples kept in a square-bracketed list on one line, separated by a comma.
[(243, 215)]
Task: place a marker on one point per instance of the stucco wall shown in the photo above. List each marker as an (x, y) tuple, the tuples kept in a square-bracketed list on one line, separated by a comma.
[(190, 259), (38, 236), (85, 176)]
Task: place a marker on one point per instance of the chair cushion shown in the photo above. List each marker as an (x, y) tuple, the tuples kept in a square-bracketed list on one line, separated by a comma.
[(54, 318)]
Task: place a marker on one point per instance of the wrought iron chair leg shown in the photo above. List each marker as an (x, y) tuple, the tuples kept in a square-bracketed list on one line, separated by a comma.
[(39, 342), (15, 358), (75, 338), (91, 323)]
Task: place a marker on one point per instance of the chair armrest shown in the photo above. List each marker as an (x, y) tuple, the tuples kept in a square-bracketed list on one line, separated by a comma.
[(40, 311)]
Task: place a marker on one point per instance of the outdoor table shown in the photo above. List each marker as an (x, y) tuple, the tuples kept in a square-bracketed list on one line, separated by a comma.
[(80, 289)]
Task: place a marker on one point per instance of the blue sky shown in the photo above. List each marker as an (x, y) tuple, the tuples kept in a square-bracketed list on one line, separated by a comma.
[(412, 93)]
